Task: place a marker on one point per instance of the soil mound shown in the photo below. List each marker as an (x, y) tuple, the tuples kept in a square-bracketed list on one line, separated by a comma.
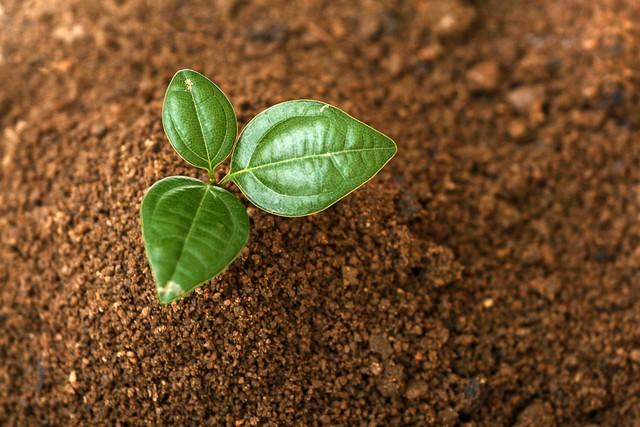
[(490, 275)]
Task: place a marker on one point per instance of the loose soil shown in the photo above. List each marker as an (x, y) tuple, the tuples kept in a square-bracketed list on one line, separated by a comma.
[(489, 276)]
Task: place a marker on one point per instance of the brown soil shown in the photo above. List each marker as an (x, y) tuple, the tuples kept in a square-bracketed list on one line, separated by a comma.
[(490, 276)]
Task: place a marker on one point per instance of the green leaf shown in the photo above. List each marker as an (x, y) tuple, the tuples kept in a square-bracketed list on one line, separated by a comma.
[(192, 232), (199, 120), (300, 157)]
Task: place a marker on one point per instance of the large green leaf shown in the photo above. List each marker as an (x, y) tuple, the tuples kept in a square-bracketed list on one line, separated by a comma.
[(192, 231), (199, 120), (299, 157)]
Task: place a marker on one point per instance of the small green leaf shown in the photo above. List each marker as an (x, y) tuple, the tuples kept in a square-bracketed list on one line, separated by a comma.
[(192, 232), (199, 120), (300, 157)]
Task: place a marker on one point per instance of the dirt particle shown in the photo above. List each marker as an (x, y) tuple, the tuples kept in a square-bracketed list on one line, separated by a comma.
[(526, 99), (448, 417), (98, 130), (77, 233), (517, 129), (69, 33), (484, 76), (73, 377), (271, 33), (612, 97), (472, 395), (252, 212), (536, 66), (444, 269), (349, 275), (416, 389), (370, 26), (537, 414), (602, 255), (589, 43), (430, 52), (392, 380), (547, 287), (151, 144), (376, 368), (395, 63), (449, 18), (378, 343), (11, 137)]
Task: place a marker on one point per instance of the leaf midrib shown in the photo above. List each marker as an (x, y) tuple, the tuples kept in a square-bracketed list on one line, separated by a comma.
[(204, 137), (330, 154), (184, 141), (191, 227)]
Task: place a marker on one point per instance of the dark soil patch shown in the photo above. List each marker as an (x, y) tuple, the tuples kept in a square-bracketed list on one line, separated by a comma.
[(491, 275)]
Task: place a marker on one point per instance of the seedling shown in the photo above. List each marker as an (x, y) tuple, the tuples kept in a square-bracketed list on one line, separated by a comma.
[(296, 158)]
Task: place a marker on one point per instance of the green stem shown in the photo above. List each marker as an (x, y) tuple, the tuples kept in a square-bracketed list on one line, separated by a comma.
[(212, 177), (226, 179)]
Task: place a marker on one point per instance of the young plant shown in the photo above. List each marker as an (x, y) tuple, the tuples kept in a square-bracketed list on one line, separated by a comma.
[(293, 159)]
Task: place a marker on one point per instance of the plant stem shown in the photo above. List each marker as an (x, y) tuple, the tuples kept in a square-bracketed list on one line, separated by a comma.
[(212, 177), (226, 179)]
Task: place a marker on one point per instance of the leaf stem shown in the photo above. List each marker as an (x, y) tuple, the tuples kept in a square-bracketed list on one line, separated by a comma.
[(212, 177), (226, 179)]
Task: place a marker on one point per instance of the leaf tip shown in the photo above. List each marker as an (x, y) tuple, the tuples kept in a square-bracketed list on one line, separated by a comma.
[(169, 292)]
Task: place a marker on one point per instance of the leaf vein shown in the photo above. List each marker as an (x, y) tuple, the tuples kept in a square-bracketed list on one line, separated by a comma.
[(204, 137), (191, 228), (183, 139), (307, 157)]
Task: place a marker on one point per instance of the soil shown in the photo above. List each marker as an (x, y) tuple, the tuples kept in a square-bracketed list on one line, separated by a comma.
[(489, 276)]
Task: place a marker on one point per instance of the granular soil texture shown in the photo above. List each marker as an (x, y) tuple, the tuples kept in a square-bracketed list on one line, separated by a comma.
[(489, 276)]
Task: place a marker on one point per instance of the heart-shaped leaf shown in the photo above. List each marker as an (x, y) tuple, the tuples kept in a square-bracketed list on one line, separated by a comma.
[(192, 232), (199, 120), (300, 157)]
